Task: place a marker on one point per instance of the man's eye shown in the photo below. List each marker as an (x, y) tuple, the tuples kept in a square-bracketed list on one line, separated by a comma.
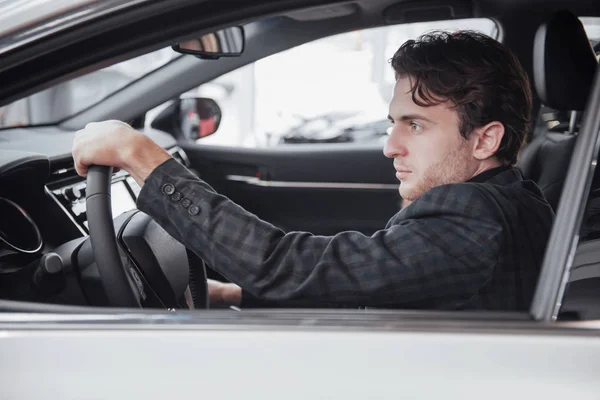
[(415, 127)]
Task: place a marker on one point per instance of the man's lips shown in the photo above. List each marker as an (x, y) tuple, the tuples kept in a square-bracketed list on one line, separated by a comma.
[(401, 172)]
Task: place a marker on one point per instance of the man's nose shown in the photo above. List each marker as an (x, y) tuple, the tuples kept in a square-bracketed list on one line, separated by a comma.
[(394, 146)]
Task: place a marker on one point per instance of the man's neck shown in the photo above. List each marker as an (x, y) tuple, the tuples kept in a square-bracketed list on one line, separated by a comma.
[(486, 166), (489, 173)]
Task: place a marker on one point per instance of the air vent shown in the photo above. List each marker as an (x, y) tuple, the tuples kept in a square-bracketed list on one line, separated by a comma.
[(62, 168), (178, 154)]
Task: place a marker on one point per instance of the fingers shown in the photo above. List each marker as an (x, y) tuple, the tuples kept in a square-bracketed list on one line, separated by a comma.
[(97, 144), (109, 143), (80, 167)]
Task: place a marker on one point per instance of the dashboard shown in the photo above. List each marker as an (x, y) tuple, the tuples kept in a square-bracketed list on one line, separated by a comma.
[(42, 206), (69, 191), (71, 198)]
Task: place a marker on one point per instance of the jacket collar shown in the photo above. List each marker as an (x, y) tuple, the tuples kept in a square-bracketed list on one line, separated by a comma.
[(502, 175)]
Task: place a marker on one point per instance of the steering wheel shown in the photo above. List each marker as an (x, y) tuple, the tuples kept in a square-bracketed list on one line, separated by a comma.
[(139, 260)]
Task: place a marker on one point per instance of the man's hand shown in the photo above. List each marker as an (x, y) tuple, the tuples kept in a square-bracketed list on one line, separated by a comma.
[(116, 144), (224, 294)]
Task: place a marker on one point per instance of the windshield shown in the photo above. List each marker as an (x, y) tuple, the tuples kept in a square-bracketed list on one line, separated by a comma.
[(71, 97)]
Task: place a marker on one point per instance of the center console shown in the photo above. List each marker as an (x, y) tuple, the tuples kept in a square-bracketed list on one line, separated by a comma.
[(69, 191)]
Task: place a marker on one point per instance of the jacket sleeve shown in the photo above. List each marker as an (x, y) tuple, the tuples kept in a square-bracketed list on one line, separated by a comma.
[(443, 246)]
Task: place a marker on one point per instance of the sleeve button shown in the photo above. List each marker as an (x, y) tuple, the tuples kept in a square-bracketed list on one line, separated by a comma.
[(176, 196), (168, 189), (193, 210), (186, 203)]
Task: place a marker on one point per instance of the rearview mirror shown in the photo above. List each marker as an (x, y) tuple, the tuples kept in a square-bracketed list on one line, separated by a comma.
[(228, 42)]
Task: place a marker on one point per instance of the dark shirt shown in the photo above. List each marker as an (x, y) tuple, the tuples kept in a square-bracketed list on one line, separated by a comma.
[(472, 245), (489, 174)]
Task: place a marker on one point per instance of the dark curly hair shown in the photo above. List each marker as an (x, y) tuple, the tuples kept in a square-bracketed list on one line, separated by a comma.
[(478, 75)]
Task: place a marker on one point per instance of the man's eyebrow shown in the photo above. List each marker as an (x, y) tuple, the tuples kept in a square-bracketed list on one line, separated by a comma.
[(411, 117)]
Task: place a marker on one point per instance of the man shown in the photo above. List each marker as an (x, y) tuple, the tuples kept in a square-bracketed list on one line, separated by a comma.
[(473, 236)]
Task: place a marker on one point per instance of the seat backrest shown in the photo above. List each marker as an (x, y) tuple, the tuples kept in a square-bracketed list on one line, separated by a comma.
[(564, 64), (545, 160)]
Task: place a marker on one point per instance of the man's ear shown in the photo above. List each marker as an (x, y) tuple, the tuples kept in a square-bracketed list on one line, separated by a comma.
[(487, 140)]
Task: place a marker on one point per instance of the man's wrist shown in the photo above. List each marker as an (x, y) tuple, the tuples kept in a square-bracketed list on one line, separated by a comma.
[(141, 156), (232, 294)]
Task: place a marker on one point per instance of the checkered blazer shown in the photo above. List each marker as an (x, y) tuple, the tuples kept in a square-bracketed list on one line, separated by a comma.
[(472, 245)]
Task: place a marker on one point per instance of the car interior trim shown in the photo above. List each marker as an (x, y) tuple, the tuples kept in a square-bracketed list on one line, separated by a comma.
[(177, 152), (64, 210), (251, 180), (72, 13), (39, 243)]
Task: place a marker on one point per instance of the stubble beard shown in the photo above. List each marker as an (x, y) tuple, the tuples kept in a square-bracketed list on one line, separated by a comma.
[(454, 168)]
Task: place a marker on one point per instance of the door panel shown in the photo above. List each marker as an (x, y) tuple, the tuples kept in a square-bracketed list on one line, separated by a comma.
[(323, 189)]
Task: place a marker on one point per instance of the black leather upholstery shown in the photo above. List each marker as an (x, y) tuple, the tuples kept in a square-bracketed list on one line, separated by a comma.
[(564, 67), (564, 62), (545, 160)]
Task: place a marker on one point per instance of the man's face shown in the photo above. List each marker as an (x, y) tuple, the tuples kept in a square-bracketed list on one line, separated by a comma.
[(426, 144)]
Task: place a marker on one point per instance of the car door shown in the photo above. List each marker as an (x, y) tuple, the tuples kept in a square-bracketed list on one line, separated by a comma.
[(322, 189)]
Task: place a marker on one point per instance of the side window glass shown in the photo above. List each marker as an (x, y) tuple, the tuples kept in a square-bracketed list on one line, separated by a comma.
[(333, 90), (592, 29)]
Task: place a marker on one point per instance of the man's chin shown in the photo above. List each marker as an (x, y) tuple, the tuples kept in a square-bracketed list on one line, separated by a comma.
[(406, 192), (411, 192)]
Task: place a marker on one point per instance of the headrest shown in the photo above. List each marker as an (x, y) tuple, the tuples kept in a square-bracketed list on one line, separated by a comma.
[(564, 62)]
